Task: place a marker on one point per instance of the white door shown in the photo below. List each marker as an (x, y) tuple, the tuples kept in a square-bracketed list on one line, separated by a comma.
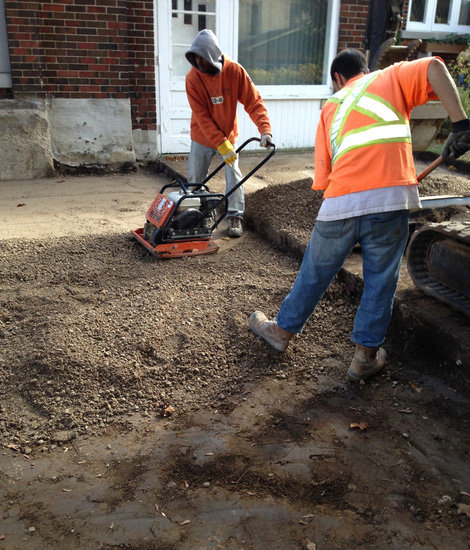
[(178, 22)]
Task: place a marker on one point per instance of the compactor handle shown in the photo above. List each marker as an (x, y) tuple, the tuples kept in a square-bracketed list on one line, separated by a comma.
[(257, 167)]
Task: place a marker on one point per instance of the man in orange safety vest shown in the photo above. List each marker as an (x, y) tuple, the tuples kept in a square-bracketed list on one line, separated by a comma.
[(364, 164)]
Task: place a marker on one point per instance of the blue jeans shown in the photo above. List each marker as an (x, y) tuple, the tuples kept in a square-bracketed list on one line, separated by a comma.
[(198, 167), (383, 238)]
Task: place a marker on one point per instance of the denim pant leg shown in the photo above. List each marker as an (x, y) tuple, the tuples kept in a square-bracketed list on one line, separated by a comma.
[(327, 250), (198, 162), (383, 241), (236, 201)]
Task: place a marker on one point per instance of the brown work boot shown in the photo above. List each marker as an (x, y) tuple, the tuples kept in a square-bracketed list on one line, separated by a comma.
[(235, 228), (366, 362), (269, 331)]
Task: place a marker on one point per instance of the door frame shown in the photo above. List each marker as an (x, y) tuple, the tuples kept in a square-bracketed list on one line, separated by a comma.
[(226, 31)]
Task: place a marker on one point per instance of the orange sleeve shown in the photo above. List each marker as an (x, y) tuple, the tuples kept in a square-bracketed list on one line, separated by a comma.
[(413, 79), (322, 157), (201, 112), (251, 99)]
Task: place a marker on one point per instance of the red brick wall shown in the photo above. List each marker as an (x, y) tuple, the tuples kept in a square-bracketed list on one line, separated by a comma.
[(353, 20), (352, 24), (84, 49), (140, 20)]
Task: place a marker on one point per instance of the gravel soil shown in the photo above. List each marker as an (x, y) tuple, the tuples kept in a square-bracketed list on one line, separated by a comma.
[(98, 339)]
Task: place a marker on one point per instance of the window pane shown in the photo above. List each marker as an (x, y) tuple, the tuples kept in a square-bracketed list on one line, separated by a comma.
[(283, 41), (442, 12), (201, 19), (417, 11), (464, 17), (184, 28), (188, 6)]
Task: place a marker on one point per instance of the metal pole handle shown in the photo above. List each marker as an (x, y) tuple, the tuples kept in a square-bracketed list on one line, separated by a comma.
[(430, 168)]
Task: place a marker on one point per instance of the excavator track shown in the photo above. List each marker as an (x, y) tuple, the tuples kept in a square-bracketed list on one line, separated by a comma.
[(438, 259)]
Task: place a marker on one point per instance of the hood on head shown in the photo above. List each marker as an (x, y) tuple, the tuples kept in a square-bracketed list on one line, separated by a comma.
[(207, 46)]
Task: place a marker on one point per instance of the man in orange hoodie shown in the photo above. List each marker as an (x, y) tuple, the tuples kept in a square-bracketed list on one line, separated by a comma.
[(214, 86), (364, 165)]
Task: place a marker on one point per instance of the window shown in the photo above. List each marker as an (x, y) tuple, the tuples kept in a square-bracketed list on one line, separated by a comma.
[(201, 19), (417, 10), (184, 29), (442, 12), (451, 16), (188, 6), (283, 41), (464, 17)]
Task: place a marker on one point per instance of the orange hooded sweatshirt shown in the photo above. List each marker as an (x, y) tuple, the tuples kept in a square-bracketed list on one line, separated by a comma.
[(213, 100)]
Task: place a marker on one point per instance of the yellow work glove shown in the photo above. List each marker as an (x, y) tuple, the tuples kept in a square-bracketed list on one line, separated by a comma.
[(227, 152)]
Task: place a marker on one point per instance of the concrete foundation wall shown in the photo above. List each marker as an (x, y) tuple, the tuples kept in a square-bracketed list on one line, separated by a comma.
[(73, 132), (145, 144), (25, 145), (87, 132)]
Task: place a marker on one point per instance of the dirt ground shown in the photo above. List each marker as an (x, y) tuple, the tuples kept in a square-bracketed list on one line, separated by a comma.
[(137, 410)]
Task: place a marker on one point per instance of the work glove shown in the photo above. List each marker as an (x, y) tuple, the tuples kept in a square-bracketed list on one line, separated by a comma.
[(458, 141), (266, 141), (227, 151)]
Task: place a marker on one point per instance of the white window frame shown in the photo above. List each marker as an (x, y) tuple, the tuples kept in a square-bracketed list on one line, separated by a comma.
[(428, 24), (286, 92), (5, 69)]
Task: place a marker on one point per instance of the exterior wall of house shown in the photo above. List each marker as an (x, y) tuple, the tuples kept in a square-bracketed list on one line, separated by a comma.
[(101, 51), (85, 49), (95, 59), (352, 24), (353, 21)]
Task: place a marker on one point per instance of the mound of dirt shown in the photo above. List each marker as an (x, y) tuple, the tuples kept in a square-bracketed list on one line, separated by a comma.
[(94, 329), (440, 184), (138, 410), (293, 207)]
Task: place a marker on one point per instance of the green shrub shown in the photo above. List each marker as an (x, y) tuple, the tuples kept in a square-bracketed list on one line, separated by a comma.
[(460, 69), (454, 38)]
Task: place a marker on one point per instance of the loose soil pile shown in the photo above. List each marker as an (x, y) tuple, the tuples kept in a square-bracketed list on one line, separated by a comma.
[(205, 437), (94, 328), (293, 207)]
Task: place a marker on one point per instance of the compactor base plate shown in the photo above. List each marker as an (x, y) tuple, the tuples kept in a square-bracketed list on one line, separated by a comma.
[(177, 249)]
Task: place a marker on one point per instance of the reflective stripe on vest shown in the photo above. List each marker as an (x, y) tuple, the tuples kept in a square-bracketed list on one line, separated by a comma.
[(390, 126)]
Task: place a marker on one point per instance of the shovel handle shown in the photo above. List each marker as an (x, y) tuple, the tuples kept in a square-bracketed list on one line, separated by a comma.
[(430, 168)]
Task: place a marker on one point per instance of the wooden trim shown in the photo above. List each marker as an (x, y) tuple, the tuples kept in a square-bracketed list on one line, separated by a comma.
[(439, 47)]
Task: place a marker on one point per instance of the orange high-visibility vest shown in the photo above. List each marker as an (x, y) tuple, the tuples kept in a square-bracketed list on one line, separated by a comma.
[(363, 138)]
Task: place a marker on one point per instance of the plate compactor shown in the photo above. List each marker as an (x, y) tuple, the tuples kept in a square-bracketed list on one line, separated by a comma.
[(180, 222)]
